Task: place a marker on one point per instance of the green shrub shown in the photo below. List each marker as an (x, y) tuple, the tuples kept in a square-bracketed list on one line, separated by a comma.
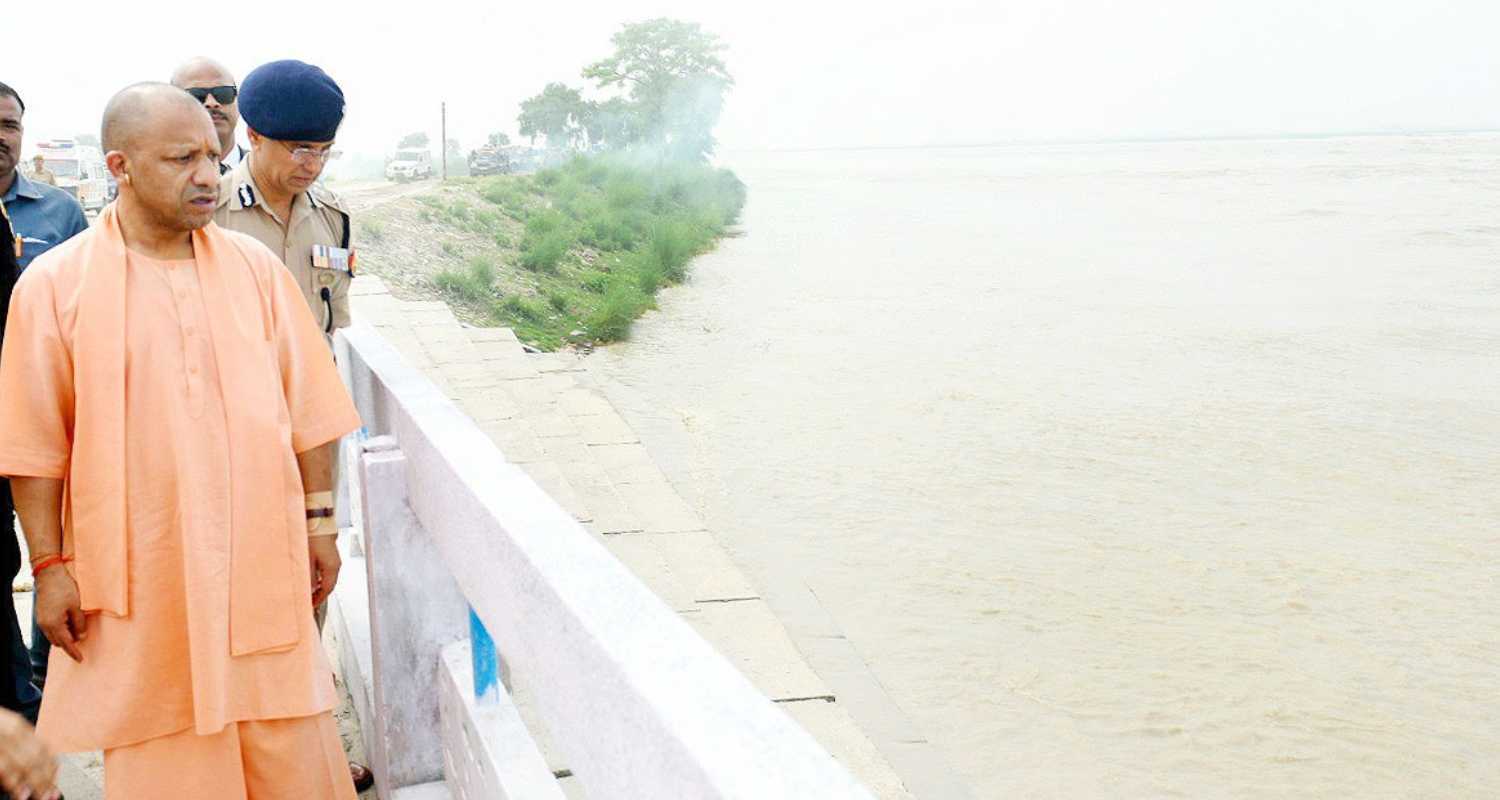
[(546, 222), (475, 283), (650, 280), (595, 282), (543, 253), (517, 308), (569, 190), (451, 281), (644, 221), (626, 191), (674, 242), (371, 229), (611, 321), (581, 206), (482, 270), (609, 230), (485, 220), (504, 192), (548, 238), (449, 248)]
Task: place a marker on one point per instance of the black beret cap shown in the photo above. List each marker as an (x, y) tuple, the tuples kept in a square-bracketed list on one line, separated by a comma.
[(292, 102)]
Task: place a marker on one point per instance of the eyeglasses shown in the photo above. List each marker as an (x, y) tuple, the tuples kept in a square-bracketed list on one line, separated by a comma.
[(307, 155), (223, 95)]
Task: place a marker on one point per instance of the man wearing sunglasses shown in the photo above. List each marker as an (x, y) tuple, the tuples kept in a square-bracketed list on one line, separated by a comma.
[(212, 85)]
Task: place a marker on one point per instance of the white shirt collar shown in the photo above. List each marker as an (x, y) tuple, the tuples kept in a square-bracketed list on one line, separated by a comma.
[(233, 158)]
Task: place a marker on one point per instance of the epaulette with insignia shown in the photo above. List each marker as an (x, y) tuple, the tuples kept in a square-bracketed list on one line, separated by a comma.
[(321, 196)]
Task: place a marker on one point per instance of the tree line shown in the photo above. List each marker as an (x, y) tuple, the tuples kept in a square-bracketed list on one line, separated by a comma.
[(662, 90)]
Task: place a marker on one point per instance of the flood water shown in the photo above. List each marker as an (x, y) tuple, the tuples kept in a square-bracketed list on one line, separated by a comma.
[(1132, 470)]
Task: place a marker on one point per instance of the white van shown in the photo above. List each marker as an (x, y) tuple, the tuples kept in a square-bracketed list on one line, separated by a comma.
[(409, 165), (79, 169)]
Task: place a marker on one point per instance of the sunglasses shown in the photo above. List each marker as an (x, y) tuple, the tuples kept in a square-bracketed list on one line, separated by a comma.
[(223, 95)]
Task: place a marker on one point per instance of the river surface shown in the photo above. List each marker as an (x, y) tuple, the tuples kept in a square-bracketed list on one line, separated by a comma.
[(1132, 470)]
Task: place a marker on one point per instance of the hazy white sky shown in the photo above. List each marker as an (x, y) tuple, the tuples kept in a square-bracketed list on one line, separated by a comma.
[(817, 74)]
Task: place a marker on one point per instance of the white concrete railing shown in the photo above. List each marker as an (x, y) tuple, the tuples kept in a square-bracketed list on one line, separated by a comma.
[(631, 699)]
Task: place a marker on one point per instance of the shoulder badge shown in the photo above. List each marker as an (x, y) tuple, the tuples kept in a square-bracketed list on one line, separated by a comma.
[(247, 196), (320, 195)]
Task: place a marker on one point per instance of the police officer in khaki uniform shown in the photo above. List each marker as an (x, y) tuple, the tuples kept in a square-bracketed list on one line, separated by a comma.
[(292, 113), (39, 171)]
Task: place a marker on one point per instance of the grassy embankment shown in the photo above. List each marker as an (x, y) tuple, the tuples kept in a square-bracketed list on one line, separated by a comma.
[(574, 254)]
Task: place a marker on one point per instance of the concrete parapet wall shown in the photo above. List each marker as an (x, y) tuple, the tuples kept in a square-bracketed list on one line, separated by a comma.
[(637, 703)]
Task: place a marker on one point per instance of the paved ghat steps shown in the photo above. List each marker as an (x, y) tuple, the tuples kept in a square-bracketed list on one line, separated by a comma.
[(573, 443)]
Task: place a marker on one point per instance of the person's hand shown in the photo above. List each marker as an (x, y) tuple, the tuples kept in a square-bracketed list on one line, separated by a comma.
[(27, 769), (324, 562), (59, 612)]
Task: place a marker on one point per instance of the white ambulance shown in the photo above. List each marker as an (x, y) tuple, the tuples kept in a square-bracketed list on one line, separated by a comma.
[(79, 169)]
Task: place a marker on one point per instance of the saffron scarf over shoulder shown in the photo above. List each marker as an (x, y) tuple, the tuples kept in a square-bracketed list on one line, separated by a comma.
[(261, 563)]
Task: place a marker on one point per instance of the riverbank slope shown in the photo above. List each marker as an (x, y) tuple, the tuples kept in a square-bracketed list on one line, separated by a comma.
[(567, 258)]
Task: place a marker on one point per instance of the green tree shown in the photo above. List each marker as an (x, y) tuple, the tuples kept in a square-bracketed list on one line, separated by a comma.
[(418, 139), (612, 123), (672, 73), (556, 114), (499, 139)]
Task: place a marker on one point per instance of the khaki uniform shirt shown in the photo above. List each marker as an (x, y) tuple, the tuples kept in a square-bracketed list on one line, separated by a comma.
[(45, 175), (319, 223)]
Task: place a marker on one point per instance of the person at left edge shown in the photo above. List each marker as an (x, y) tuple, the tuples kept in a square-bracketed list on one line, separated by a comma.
[(25, 763), (44, 216), (17, 692), (33, 212)]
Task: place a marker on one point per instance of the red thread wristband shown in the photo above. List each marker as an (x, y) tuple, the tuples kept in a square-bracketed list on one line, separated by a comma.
[(48, 561)]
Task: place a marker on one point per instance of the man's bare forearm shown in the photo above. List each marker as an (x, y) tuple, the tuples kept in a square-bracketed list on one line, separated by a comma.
[(39, 505), (316, 466)]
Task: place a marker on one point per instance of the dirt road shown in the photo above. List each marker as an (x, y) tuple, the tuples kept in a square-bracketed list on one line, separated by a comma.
[(364, 195)]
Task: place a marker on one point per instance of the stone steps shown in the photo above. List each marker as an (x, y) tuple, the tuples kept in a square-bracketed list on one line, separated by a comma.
[(576, 446)]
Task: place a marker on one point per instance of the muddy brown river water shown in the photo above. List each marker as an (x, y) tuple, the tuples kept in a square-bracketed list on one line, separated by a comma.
[(1135, 470)]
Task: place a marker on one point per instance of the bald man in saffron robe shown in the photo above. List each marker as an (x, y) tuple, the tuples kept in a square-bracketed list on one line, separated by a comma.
[(165, 396)]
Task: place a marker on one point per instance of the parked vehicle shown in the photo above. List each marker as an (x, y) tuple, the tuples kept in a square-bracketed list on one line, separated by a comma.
[(80, 171), (488, 161), (409, 165), (522, 158)]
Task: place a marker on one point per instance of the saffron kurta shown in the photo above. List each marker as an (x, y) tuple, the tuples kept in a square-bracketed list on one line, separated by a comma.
[(167, 665)]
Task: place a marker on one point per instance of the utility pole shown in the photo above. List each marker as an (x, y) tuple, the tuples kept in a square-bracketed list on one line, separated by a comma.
[(443, 145)]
